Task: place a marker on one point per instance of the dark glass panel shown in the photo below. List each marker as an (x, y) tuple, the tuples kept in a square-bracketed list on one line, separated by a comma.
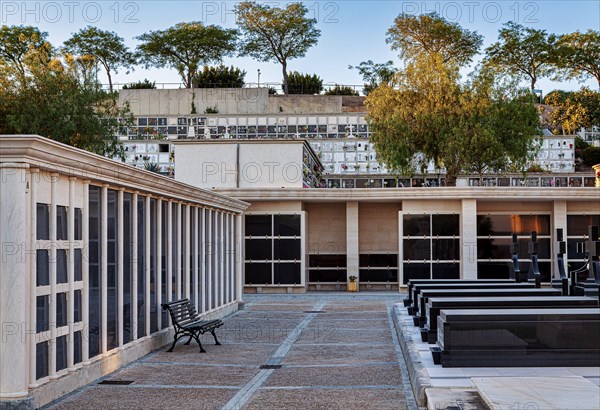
[(287, 225), (416, 225), (164, 278), (78, 260), (61, 309), (258, 249), (95, 295), (494, 225), (378, 260), (493, 270), (287, 273), (416, 249), (577, 225), (286, 249), (42, 313), (61, 266), (445, 225), (153, 262), (378, 275), (498, 248), (174, 256), (61, 223), (42, 267), (61, 353), (504, 225), (43, 221), (572, 249), (129, 253), (112, 325), (77, 350), (446, 249), (329, 275), (327, 261), (258, 225), (258, 273), (77, 306), (78, 224), (445, 271), (416, 271), (41, 360)]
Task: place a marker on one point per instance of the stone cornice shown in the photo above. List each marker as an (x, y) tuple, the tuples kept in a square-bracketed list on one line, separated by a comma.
[(52, 156), (400, 194)]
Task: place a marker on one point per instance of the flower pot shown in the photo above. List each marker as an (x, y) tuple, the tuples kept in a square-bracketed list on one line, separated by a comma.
[(352, 286)]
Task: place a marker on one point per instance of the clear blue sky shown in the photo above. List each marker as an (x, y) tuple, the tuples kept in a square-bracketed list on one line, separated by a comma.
[(351, 31)]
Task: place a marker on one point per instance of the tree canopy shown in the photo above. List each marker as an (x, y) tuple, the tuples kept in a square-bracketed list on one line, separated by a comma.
[(426, 115), (57, 97), (219, 77), (276, 34), (374, 74), (186, 47), (577, 55), (16, 43), (413, 35), (104, 46), (304, 83), (522, 52), (571, 110)]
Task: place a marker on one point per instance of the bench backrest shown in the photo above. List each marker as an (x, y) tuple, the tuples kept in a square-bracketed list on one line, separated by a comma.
[(181, 311)]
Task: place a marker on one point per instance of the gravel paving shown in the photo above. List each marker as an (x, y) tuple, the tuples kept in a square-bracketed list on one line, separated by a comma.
[(341, 358)]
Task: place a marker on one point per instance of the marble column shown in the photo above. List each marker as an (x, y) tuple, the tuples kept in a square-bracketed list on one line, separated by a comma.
[(14, 273), (468, 239), (559, 221), (352, 251)]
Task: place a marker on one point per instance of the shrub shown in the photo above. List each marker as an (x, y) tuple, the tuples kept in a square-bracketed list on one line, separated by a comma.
[(304, 83), (591, 156), (219, 77), (341, 90), (141, 85)]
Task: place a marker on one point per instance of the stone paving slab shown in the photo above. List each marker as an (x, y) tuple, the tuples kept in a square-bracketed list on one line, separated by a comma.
[(376, 375), (147, 398), (328, 399), (335, 335), (187, 374), (253, 354), (324, 321), (339, 354)]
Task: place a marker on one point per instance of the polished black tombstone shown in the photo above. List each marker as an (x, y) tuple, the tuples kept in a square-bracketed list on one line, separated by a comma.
[(563, 280), (435, 305), (412, 282), (518, 338), (479, 285), (520, 289), (534, 270), (591, 248)]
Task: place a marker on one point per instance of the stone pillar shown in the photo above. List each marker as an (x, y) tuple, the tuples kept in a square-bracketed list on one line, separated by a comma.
[(468, 239), (559, 220), (14, 281), (239, 258), (352, 251)]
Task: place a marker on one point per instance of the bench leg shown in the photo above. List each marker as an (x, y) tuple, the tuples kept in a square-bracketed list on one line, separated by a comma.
[(189, 340), (215, 336), (197, 337), (175, 339)]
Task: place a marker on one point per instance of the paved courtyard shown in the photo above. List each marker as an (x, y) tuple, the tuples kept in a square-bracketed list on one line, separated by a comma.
[(335, 351)]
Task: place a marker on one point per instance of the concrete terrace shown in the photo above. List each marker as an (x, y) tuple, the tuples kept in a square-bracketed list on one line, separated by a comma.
[(346, 356)]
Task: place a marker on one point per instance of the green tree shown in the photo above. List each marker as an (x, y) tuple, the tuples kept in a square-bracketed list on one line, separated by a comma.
[(186, 47), (16, 42), (577, 55), (341, 90), (591, 156), (219, 77), (105, 46), (276, 34), (59, 99), (522, 52), (426, 115), (414, 35), (374, 74), (304, 83), (572, 110)]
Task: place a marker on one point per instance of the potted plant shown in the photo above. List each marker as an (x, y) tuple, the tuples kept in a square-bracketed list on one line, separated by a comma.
[(352, 284)]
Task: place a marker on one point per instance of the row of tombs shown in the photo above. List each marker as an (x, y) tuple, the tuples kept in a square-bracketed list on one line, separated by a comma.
[(388, 244), (512, 322)]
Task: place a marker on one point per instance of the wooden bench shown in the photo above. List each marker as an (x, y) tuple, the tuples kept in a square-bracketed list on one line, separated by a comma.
[(187, 322)]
